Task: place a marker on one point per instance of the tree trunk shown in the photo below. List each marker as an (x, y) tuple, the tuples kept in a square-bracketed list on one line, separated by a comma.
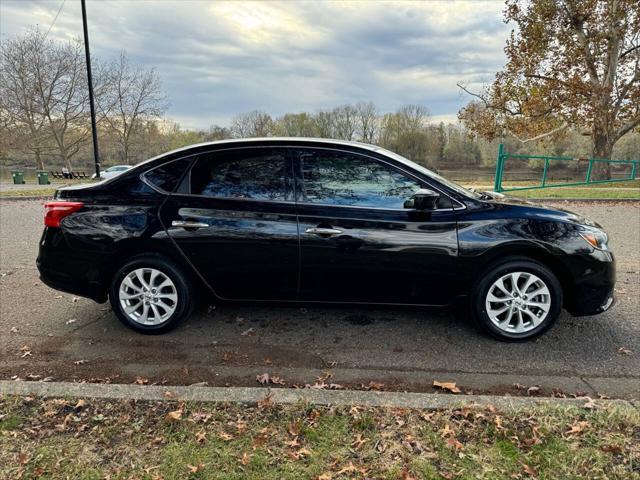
[(39, 161), (602, 149)]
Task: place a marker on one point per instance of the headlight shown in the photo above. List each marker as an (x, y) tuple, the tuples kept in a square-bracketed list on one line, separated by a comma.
[(594, 237)]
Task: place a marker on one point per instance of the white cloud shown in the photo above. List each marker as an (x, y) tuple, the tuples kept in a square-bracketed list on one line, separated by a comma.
[(218, 59)]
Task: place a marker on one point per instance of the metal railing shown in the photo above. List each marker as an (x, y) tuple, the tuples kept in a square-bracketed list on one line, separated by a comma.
[(504, 156)]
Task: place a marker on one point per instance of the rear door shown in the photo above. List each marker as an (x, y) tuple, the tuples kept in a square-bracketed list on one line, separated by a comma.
[(234, 218), (357, 241)]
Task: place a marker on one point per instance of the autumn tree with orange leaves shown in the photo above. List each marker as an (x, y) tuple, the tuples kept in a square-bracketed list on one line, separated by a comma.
[(571, 64)]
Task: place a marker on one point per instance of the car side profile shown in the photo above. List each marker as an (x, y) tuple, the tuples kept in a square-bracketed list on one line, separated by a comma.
[(317, 221)]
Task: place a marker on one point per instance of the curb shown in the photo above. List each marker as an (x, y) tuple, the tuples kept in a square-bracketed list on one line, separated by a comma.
[(25, 197), (252, 395)]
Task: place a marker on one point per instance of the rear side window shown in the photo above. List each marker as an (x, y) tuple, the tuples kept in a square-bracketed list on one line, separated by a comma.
[(255, 173), (167, 176)]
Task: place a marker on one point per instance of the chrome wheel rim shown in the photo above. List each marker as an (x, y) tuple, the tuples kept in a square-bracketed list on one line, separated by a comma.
[(518, 302), (148, 296)]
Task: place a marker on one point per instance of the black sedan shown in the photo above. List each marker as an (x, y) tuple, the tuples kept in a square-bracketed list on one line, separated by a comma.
[(317, 221)]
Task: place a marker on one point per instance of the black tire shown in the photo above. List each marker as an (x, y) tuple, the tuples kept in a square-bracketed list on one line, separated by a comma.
[(495, 272), (183, 286)]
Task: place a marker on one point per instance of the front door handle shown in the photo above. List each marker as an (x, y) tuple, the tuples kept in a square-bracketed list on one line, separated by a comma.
[(323, 231), (188, 224)]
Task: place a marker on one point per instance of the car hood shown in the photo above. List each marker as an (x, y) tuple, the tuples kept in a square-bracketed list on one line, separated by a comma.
[(539, 209)]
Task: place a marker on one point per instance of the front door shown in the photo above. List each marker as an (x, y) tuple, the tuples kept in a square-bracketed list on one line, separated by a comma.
[(236, 223), (357, 241)]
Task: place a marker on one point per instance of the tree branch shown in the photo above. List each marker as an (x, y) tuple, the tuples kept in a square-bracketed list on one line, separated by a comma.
[(542, 135)]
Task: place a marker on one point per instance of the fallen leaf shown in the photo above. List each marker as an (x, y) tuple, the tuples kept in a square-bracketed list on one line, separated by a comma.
[(611, 448), (248, 332), (174, 416), (246, 458), (195, 468), (141, 381), (201, 437), (624, 351), (14, 329), (358, 442), (452, 442), (324, 476), (80, 362), (265, 402), (375, 386), (406, 475), (449, 386), (276, 380), (529, 471), (69, 322), (351, 468), (533, 390), (263, 379), (577, 427), (81, 403), (225, 436)]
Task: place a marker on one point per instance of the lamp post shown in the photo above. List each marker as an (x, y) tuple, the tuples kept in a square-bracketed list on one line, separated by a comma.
[(92, 107)]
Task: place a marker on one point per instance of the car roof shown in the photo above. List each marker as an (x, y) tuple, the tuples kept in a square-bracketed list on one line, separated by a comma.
[(268, 141), (276, 140)]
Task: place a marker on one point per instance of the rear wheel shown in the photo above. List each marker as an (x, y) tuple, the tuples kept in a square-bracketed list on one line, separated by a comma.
[(151, 294), (517, 300)]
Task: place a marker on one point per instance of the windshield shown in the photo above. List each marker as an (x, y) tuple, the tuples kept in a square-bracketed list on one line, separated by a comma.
[(448, 183)]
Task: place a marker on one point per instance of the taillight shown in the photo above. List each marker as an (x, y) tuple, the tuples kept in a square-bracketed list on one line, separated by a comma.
[(54, 212)]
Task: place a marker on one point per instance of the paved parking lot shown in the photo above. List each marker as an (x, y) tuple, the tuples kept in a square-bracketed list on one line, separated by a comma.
[(44, 333)]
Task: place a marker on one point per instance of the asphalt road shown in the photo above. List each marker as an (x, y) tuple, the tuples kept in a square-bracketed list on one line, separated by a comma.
[(77, 340)]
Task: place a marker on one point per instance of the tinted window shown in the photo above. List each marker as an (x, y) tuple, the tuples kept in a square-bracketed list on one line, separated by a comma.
[(168, 175), (258, 174), (339, 178)]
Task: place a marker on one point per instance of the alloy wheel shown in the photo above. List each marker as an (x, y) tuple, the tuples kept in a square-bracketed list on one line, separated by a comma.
[(518, 302), (148, 296)]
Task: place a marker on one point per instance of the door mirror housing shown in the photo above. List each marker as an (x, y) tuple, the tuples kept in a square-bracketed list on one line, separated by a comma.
[(423, 199)]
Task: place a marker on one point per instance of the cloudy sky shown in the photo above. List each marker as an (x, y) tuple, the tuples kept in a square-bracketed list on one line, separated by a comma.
[(218, 58)]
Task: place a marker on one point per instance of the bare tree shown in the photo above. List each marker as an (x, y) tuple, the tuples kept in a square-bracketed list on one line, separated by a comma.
[(344, 118), (130, 97), (61, 85), (367, 121), (252, 124), (20, 106)]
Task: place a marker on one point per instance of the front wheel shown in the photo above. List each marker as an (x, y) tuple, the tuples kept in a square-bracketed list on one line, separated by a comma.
[(517, 300), (151, 294)]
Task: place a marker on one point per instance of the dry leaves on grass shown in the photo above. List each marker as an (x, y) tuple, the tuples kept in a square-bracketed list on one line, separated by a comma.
[(174, 416), (195, 468), (577, 427), (448, 386)]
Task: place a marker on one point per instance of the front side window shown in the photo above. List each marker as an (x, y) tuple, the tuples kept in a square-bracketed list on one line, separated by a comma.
[(254, 173), (341, 178)]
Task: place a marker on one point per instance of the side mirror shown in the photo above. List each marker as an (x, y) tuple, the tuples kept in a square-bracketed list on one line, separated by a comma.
[(423, 199)]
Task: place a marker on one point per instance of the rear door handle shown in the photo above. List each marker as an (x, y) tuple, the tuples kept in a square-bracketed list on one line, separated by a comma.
[(188, 224), (323, 231)]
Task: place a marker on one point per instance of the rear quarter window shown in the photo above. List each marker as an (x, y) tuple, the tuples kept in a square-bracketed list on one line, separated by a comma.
[(166, 177)]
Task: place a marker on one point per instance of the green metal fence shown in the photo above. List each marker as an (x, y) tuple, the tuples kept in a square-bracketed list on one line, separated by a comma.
[(503, 156)]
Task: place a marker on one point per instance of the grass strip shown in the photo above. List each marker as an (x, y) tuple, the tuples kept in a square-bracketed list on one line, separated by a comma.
[(95, 439)]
